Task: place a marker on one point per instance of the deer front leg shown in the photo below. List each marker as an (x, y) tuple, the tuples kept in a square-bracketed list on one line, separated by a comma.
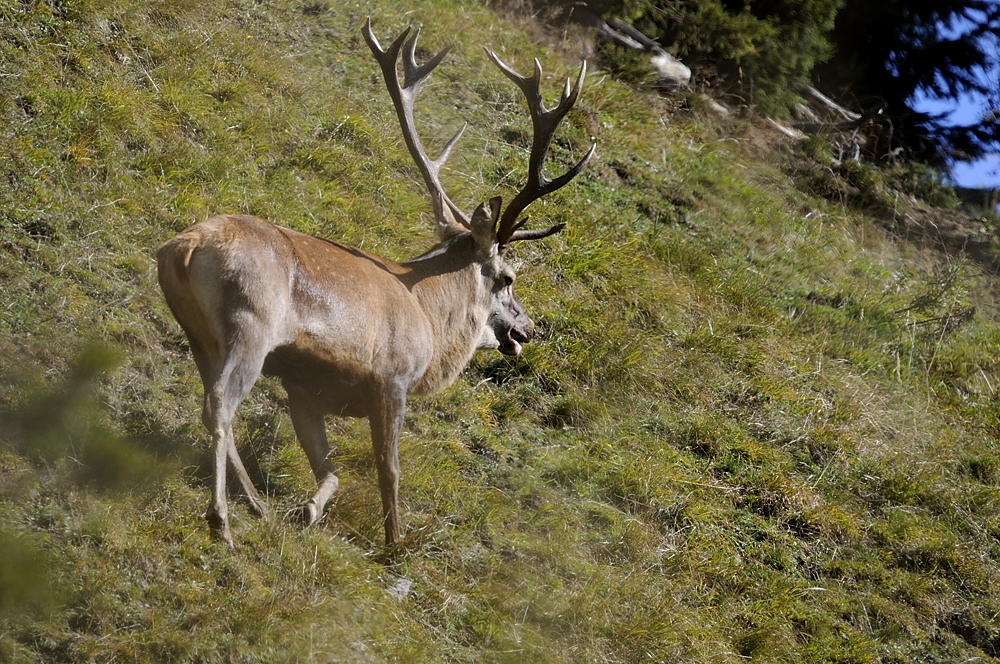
[(310, 429), (386, 421)]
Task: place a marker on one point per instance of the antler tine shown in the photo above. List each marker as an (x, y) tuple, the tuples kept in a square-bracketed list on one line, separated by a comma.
[(413, 75), (544, 122), (445, 211), (536, 235)]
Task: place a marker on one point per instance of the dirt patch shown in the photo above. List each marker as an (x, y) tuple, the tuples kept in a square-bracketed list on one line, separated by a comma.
[(956, 231)]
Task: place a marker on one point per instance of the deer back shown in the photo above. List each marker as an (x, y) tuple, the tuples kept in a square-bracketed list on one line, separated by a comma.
[(315, 302)]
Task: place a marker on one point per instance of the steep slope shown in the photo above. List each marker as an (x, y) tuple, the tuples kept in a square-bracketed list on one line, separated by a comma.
[(757, 423)]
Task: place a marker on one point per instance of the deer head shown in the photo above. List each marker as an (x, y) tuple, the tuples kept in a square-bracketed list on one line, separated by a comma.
[(507, 326)]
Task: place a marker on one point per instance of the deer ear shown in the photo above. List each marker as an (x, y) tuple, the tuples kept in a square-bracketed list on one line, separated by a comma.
[(484, 225), (495, 204)]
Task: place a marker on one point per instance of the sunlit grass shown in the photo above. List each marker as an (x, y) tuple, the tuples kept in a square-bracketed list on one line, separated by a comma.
[(753, 424)]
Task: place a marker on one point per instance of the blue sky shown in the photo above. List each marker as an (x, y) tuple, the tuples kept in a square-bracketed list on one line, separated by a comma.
[(982, 173), (967, 109)]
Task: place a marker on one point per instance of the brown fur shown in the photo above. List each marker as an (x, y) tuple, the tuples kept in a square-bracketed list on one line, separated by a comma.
[(347, 332)]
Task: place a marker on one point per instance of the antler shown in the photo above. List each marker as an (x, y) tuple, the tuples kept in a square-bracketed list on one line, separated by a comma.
[(544, 123), (449, 217)]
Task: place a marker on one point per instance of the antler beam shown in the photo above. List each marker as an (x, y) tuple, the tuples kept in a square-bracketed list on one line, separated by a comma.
[(544, 122), (449, 217)]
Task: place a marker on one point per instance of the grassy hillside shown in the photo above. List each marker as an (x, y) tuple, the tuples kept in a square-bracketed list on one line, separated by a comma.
[(759, 422)]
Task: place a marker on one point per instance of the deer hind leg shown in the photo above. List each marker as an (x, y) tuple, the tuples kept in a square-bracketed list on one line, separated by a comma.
[(386, 422), (310, 429), (257, 504), (210, 368), (228, 390)]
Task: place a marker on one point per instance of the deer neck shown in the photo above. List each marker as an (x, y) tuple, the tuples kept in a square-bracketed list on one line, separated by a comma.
[(447, 283)]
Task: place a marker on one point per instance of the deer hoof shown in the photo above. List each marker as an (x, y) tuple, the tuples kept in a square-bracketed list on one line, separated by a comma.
[(307, 513), (219, 529), (259, 508)]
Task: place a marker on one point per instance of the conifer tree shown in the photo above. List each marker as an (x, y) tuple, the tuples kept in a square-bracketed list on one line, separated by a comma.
[(872, 55), (888, 51)]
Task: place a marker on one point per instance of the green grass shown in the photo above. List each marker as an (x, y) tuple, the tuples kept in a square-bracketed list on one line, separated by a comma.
[(754, 425)]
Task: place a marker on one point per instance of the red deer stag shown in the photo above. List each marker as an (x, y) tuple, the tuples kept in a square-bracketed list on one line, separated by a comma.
[(349, 333)]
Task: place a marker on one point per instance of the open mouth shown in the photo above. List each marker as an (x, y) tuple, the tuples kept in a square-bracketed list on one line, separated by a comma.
[(511, 348), (512, 344)]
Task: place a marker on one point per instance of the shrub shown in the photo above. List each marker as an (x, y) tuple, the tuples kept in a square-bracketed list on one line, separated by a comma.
[(763, 50)]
